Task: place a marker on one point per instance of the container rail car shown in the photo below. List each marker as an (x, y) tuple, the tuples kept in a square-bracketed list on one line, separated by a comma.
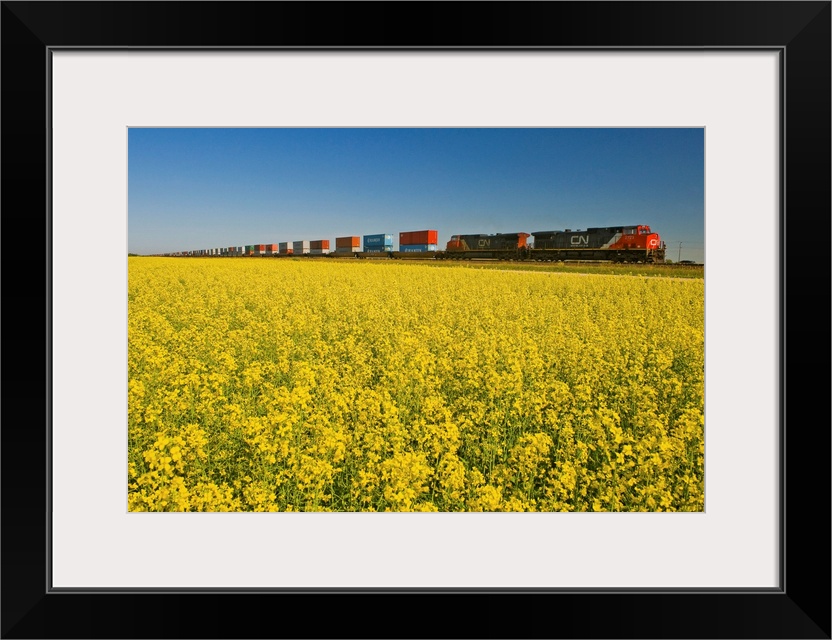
[(625, 243)]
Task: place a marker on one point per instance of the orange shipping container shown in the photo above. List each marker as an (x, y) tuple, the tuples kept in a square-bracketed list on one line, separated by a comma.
[(347, 242), (418, 237)]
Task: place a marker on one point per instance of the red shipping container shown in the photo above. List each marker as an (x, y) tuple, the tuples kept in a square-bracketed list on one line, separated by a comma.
[(348, 242), (319, 244), (260, 247), (418, 237), (271, 247)]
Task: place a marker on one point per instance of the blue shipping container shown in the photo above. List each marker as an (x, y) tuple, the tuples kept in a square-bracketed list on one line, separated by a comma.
[(383, 249), (417, 247), (378, 240)]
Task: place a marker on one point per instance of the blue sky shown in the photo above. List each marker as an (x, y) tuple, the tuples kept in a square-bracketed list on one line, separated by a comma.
[(197, 188)]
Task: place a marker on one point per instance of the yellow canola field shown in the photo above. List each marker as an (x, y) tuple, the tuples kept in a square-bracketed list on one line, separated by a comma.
[(314, 385)]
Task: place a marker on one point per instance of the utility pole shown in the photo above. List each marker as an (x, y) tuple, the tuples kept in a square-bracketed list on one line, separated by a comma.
[(680, 253)]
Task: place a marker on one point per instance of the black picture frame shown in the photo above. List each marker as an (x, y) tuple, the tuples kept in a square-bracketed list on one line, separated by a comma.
[(799, 31)]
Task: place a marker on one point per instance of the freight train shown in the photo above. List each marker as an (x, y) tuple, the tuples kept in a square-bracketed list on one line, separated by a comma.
[(625, 243)]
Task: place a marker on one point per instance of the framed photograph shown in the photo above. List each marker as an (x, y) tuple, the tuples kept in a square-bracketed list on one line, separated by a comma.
[(86, 85)]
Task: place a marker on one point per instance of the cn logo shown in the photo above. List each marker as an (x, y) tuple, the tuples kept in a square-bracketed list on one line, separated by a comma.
[(653, 242), (579, 240), (484, 243)]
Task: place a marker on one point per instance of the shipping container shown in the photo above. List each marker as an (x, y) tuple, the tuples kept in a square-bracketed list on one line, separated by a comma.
[(379, 240), (384, 249), (319, 244), (348, 242), (429, 236), (355, 249), (319, 252), (284, 247), (410, 248), (301, 246)]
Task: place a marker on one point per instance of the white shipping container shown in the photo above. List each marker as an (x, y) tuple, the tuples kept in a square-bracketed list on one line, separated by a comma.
[(301, 246), (348, 250), (318, 252)]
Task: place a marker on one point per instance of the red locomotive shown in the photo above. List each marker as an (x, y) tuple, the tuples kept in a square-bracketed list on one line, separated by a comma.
[(505, 246), (632, 243)]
